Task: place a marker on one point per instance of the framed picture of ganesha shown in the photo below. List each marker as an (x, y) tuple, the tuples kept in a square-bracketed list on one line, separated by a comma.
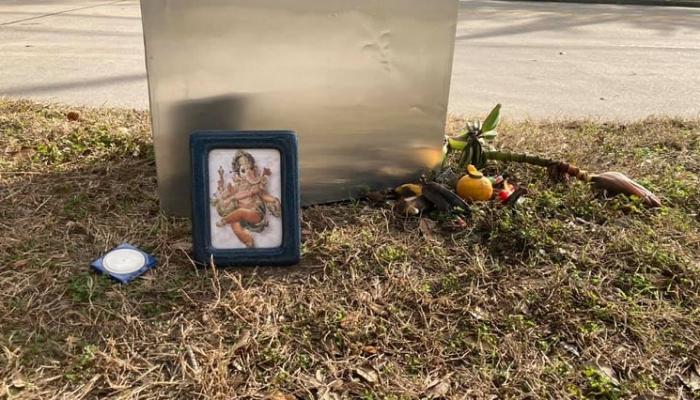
[(245, 198)]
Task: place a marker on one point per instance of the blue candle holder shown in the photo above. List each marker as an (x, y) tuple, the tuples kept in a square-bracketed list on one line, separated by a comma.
[(124, 263)]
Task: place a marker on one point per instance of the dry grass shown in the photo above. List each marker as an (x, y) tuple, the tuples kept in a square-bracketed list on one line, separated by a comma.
[(570, 296)]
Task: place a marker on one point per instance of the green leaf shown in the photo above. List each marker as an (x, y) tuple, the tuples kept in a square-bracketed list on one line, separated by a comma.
[(463, 135), (491, 122), (456, 144), (446, 150), (489, 136), (467, 156)]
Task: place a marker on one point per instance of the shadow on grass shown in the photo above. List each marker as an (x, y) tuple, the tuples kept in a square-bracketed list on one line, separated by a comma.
[(56, 223)]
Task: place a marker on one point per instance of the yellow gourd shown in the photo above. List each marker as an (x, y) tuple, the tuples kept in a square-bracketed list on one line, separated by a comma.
[(474, 186)]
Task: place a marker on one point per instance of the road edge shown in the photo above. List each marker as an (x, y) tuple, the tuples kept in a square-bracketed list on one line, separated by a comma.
[(666, 3)]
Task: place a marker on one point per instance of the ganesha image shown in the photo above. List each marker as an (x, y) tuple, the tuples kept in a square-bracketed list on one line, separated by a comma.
[(243, 201)]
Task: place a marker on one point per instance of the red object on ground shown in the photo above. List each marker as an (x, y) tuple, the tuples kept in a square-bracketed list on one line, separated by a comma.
[(503, 195)]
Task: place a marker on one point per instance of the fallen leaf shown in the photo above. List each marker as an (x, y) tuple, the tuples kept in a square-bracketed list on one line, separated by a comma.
[(241, 342), (184, 246), (439, 389), (478, 313), (427, 228), (76, 228), (280, 396), (237, 366), (18, 383), (367, 374), (370, 350), (71, 341), (349, 320), (608, 371), (377, 309), (571, 349), (326, 394), (319, 378), (692, 379)]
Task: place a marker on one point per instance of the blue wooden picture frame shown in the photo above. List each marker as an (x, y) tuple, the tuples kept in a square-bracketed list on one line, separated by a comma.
[(201, 146)]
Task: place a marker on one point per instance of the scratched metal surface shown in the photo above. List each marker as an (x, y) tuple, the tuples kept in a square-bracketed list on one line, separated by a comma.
[(364, 83)]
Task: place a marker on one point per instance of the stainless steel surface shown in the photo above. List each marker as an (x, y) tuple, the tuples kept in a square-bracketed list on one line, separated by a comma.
[(364, 83)]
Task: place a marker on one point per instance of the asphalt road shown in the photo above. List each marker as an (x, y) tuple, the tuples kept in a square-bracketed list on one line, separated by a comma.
[(541, 60)]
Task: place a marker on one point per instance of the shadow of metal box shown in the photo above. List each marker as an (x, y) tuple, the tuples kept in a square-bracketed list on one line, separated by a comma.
[(364, 83)]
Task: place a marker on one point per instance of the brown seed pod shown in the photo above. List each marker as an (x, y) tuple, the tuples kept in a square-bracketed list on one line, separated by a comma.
[(443, 198), (615, 183)]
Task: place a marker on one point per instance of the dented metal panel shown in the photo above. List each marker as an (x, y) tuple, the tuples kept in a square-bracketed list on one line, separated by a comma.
[(364, 83)]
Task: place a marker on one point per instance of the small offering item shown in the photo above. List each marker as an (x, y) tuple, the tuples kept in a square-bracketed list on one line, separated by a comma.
[(416, 199), (503, 189), (474, 186), (124, 263)]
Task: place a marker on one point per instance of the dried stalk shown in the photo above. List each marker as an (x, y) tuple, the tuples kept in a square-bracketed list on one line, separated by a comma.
[(611, 182)]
